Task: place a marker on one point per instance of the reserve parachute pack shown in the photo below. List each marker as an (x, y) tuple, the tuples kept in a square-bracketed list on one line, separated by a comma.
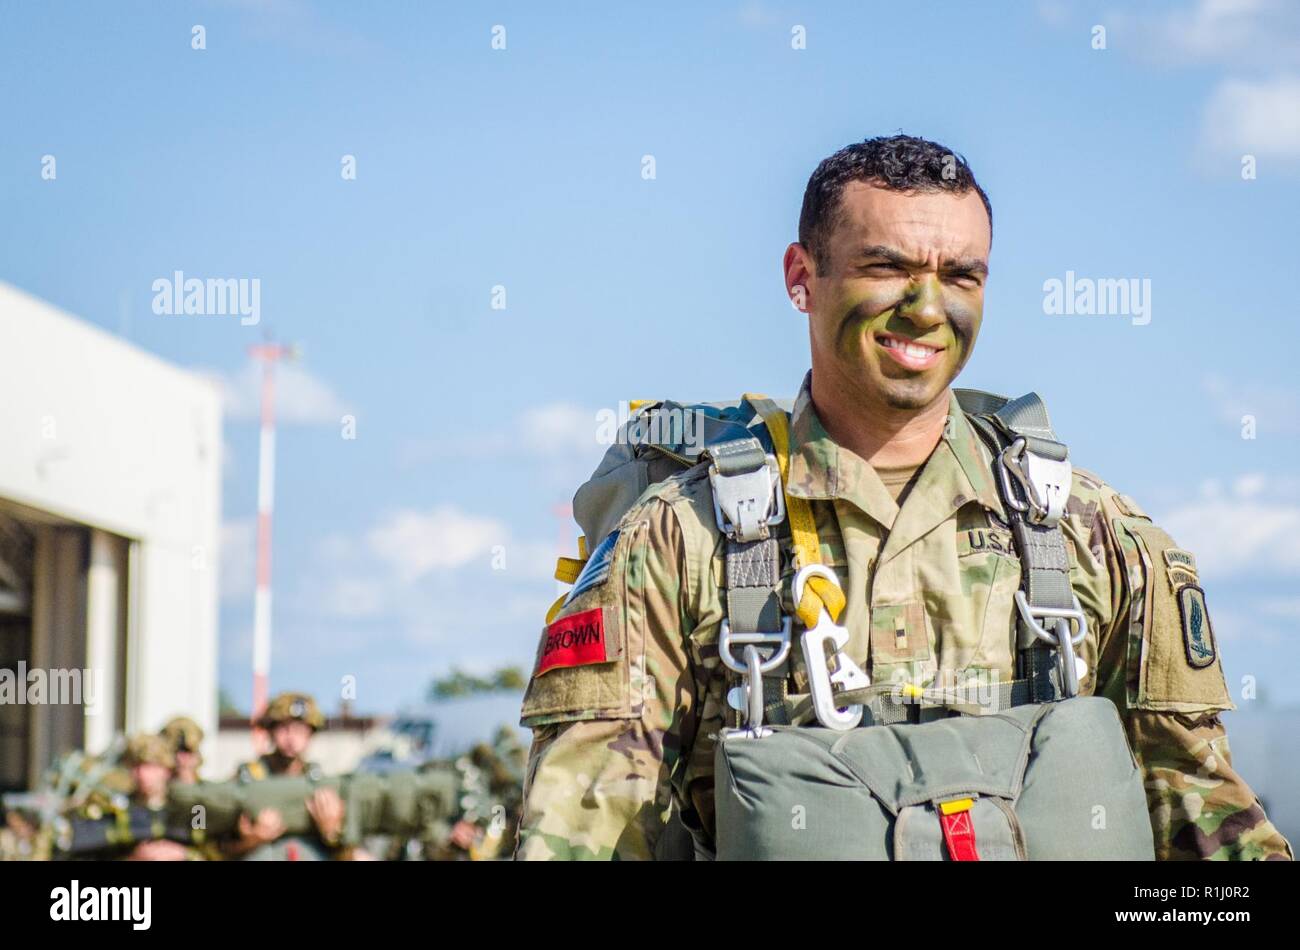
[(861, 771)]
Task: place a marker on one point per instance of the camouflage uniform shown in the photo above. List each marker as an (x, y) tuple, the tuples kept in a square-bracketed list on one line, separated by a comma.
[(141, 749), (283, 708), (622, 746), (501, 766)]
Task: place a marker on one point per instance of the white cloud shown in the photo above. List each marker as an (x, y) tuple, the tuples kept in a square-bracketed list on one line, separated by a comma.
[(238, 558), (1276, 409), (560, 429), (414, 543), (1253, 117), (1234, 33), (757, 16), (355, 598), (1055, 12), (299, 24), (1288, 608), (555, 444), (300, 397), (428, 576), (1254, 531)]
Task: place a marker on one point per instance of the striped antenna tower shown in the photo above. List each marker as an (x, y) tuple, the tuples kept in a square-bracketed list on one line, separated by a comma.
[(268, 354)]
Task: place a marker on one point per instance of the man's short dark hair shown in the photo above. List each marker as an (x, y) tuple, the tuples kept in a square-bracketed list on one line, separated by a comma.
[(896, 162)]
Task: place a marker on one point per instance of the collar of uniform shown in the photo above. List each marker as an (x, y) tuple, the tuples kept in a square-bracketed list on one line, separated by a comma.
[(955, 473)]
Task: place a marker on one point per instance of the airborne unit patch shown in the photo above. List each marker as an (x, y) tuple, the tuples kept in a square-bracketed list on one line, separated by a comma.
[(1198, 636)]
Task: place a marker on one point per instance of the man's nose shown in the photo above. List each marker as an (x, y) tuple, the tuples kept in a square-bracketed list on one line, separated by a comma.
[(923, 304)]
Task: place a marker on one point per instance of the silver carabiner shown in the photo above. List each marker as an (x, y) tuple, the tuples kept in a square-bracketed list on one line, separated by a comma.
[(751, 666), (822, 683), (1069, 628), (1044, 483)]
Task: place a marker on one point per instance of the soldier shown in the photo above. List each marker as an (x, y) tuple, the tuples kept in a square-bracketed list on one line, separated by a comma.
[(185, 736), (629, 691), (502, 763), (150, 762), (291, 719), (493, 775)]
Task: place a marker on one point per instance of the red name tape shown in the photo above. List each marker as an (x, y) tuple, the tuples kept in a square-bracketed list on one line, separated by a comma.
[(574, 641)]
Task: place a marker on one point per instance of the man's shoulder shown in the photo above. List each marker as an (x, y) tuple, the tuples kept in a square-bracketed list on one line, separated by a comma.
[(679, 504), (1090, 495)]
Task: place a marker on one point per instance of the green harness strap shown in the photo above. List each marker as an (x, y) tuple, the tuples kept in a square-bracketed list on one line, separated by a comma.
[(753, 575), (1045, 566)]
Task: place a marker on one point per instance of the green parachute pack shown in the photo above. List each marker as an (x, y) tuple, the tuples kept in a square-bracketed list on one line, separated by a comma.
[(853, 770)]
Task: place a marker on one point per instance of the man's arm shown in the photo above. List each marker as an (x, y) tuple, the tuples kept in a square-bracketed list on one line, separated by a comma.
[(611, 720), (1160, 664), (1200, 808)]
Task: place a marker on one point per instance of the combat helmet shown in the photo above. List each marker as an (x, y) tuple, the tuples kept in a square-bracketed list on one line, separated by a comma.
[(182, 733), (146, 749), (289, 706)]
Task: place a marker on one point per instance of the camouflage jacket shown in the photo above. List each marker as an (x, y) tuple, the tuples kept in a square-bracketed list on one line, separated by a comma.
[(624, 742)]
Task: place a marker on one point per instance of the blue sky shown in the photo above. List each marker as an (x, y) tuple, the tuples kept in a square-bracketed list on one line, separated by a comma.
[(522, 168)]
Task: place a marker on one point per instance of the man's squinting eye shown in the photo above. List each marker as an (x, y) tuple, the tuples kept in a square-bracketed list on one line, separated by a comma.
[(968, 279), (884, 269)]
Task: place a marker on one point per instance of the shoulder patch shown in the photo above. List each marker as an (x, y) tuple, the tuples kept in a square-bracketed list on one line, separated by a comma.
[(1173, 662), (1198, 635), (575, 640), (596, 571)]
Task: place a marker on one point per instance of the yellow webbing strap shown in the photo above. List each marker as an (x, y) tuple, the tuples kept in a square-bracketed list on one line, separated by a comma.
[(567, 569), (555, 608), (819, 592)]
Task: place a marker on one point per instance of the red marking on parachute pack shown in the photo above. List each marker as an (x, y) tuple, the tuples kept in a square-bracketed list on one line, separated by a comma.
[(959, 834)]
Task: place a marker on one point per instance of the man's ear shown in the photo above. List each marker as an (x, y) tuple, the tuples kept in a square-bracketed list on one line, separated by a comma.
[(800, 271)]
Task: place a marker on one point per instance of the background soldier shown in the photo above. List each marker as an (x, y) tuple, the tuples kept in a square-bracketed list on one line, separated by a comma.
[(291, 719), (184, 736), (149, 762), (493, 775)]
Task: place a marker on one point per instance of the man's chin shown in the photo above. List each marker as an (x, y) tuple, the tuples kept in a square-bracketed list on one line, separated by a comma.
[(909, 394)]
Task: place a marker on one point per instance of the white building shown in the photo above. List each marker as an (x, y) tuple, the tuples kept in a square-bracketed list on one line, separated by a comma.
[(110, 498)]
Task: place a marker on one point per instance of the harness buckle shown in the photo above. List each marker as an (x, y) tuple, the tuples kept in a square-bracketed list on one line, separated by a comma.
[(823, 684), (1044, 483), (1069, 628), (746, 504), (751, 666)]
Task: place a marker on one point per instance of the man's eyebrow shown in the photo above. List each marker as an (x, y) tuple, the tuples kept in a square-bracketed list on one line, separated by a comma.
[(891, 254), (967, 265), (970, 265)]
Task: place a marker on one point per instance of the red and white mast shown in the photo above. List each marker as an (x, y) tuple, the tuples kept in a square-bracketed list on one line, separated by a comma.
[(268, 354)]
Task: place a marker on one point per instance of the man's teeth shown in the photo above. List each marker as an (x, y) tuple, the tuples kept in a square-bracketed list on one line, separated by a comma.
[(911, 349)]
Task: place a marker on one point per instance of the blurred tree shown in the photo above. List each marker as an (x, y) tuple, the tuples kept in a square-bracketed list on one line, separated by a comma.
[(459, 683), (226, 706)]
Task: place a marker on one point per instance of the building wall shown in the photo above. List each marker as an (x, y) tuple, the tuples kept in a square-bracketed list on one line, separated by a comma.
[(119, 454)]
